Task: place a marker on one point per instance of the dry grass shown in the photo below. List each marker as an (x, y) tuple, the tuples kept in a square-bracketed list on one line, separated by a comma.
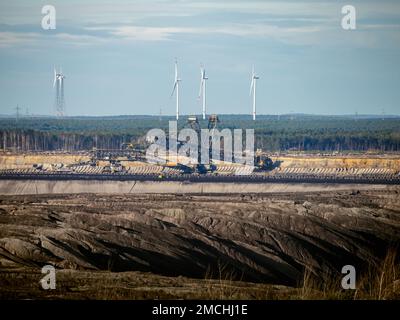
[(221, 286), (381, 281)]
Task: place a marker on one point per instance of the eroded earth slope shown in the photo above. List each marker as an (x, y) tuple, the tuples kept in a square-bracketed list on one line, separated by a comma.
[(259, 238)]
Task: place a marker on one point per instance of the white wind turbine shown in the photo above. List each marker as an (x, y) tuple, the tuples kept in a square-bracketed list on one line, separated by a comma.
[(176, 88), (202, 91), (58, 83), (254, 79)]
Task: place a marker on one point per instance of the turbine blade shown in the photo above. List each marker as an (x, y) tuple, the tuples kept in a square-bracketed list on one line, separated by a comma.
[(173, 90), (55, 77), (201, 81), (251, 86), (201, 87)]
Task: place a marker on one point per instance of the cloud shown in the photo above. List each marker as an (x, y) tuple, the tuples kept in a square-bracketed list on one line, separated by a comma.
[(32, 39), (102, 11), (293, 23), (12, 39), (239, 30), (367, 35), (140, 33), (78, 39)]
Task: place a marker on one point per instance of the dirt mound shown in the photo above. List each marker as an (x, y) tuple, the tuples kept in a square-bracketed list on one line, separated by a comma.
[(260, 238)]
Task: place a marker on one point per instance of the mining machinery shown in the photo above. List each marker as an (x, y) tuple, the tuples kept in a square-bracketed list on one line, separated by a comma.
[(262, 162)]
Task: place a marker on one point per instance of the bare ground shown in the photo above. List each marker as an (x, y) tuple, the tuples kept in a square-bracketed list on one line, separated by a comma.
[(191, 246)]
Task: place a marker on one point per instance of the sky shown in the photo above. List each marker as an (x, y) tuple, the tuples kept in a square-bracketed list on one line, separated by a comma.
[(118, 56)]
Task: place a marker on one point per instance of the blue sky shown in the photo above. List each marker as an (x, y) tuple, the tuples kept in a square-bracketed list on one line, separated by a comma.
[(118, 56)]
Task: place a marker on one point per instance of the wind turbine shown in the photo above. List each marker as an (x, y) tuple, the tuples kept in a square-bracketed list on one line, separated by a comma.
[(254, 79), (176, 88), (58, 76), (58, 83), (202, 91)]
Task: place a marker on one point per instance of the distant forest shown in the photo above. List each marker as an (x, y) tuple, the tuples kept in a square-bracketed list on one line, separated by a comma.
[(290, 132)]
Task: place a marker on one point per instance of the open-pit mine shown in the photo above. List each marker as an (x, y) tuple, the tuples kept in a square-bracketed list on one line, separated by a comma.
[(120, 228)]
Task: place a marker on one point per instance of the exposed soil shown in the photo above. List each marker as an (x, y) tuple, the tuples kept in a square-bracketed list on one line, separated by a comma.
[(264, 239)]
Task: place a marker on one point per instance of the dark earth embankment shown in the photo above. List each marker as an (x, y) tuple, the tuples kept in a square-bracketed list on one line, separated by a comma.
[(269, 238)]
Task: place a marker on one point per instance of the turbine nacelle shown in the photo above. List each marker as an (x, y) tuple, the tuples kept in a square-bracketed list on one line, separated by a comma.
[(254, 77), (203, 79), (203, 73)]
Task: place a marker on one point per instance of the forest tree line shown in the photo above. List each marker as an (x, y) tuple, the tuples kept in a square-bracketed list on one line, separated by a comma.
[(303, 134)]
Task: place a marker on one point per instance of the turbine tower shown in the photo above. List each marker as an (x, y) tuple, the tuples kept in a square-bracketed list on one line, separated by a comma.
[(58, 84), (202, 92), (254, 79), (176, 88)]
